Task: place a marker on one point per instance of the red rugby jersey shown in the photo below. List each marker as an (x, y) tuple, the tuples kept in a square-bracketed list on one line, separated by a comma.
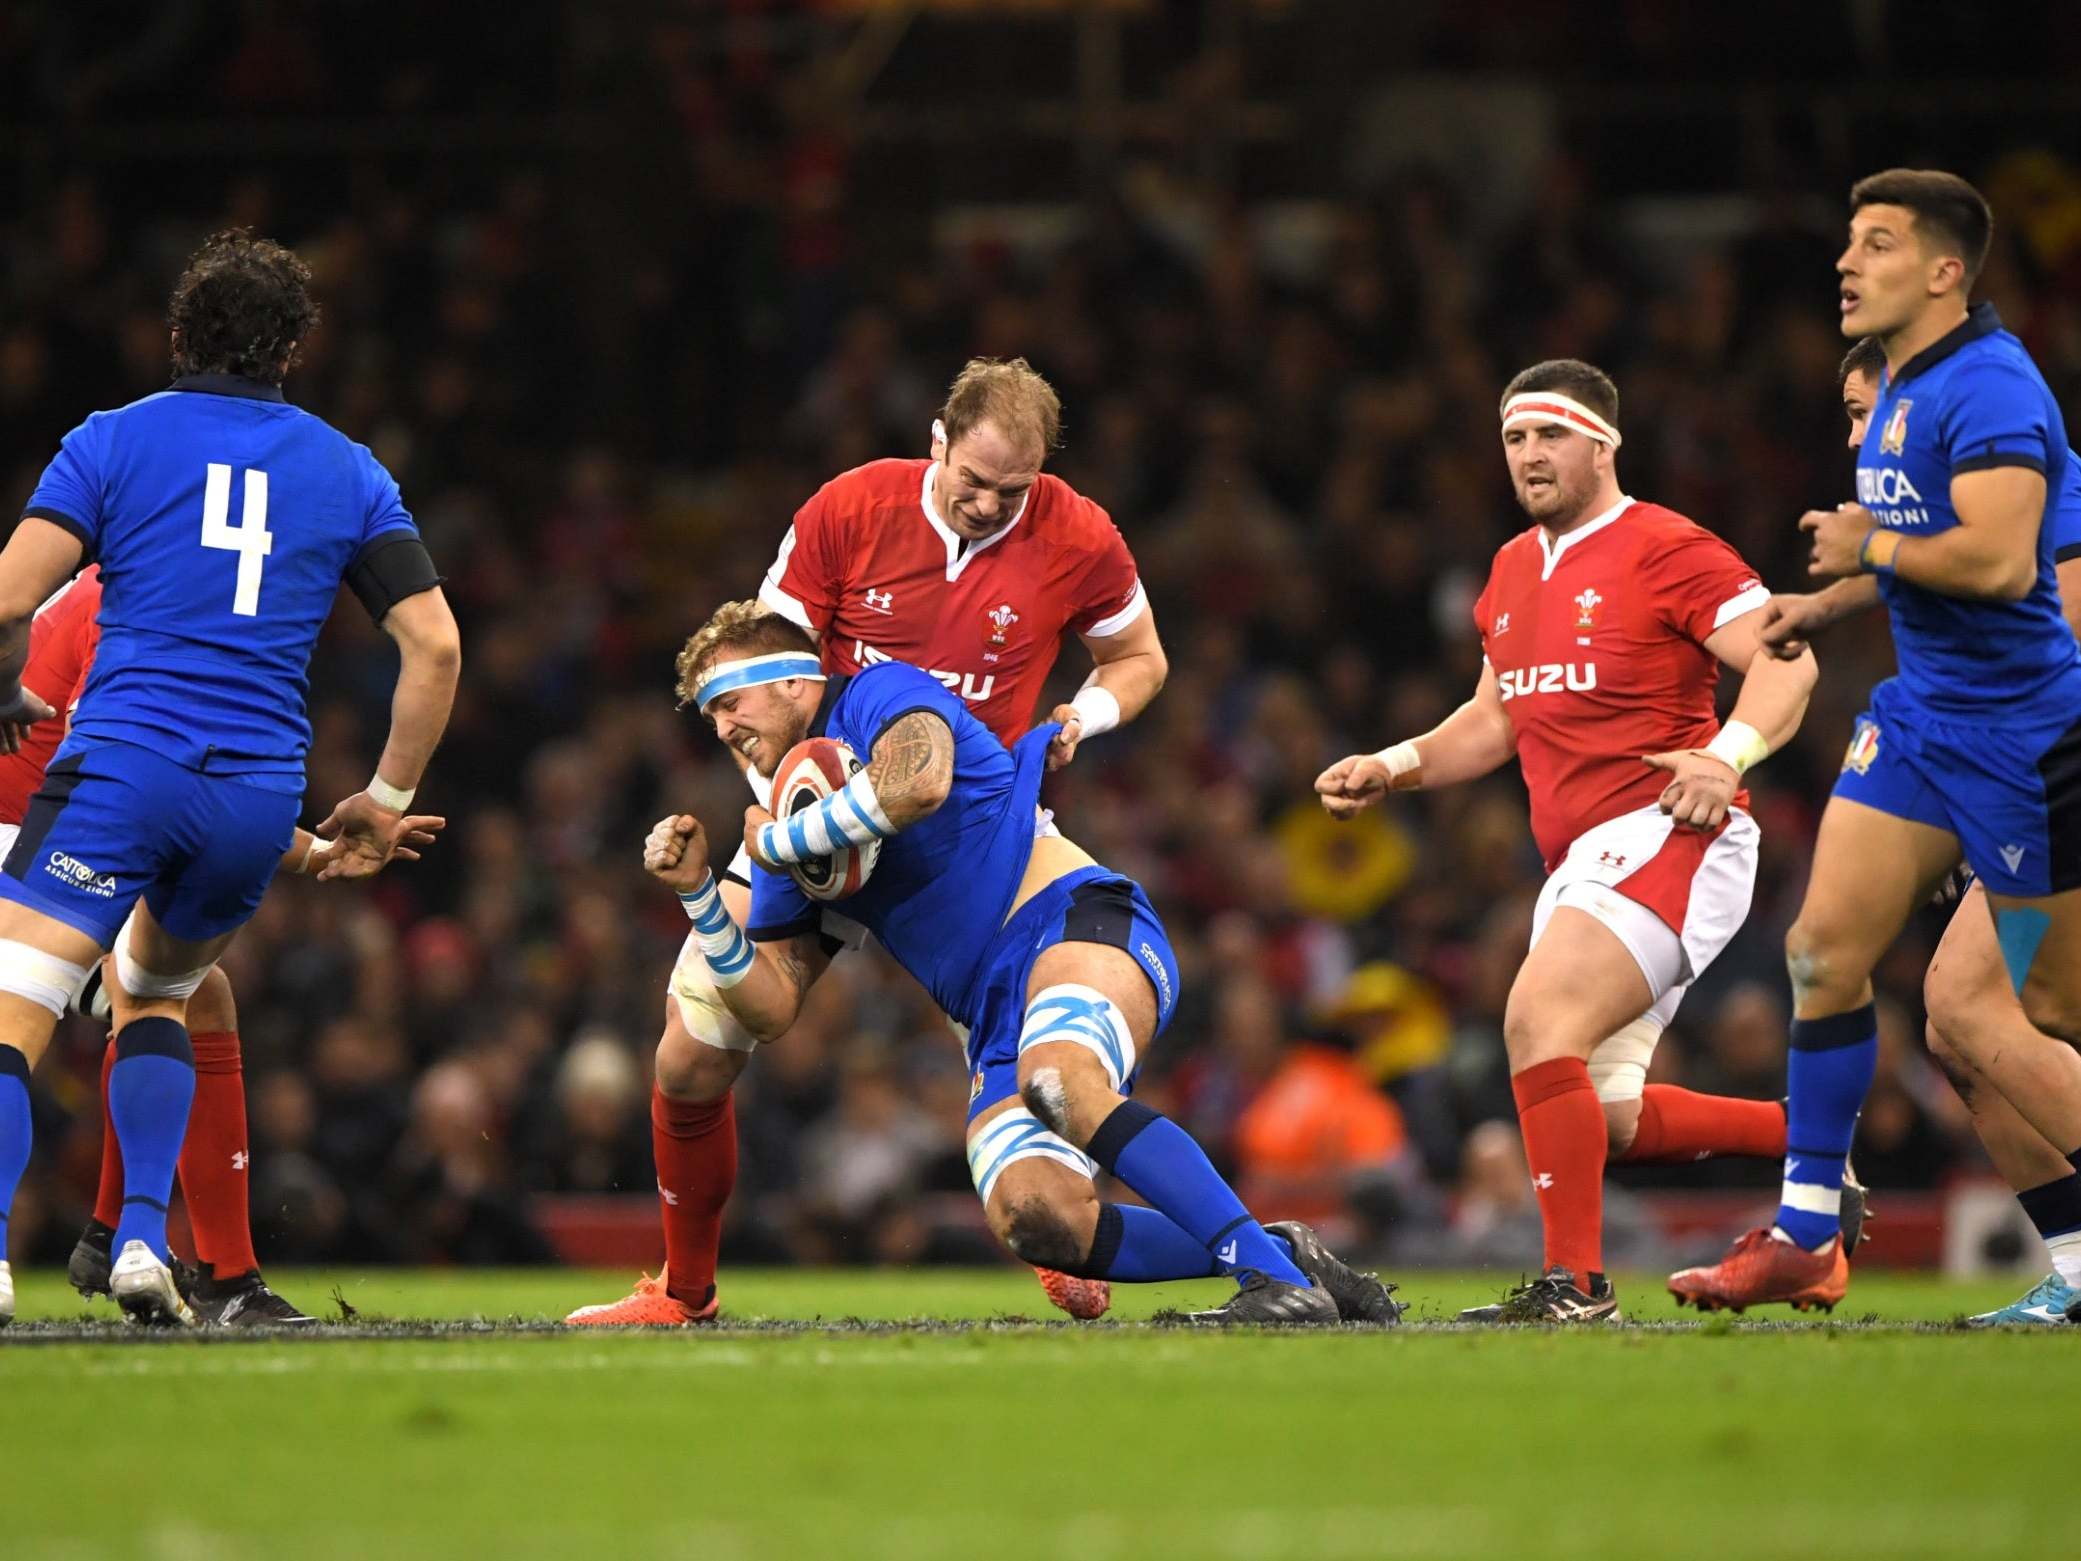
[(1598, 644), (870, 568), (62, 641)]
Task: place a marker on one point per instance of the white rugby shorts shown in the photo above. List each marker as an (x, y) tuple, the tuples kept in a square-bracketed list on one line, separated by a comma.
[(1674, 897)]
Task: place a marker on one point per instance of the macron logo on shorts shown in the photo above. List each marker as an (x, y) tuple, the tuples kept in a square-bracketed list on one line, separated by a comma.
[(78, 875), (1162, 977)]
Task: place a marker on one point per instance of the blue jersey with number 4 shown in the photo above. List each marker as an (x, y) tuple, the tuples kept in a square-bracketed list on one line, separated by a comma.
[(1971, 402), (224, 520)]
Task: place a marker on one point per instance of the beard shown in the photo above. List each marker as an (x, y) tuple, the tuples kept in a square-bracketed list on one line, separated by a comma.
[(1555, 501)]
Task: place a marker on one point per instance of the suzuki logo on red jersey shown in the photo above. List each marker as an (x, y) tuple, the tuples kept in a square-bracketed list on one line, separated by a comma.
[(1552, 678), (971, 688)]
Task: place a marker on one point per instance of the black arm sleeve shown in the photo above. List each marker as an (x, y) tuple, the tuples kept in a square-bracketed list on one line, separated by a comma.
[(389, 570)]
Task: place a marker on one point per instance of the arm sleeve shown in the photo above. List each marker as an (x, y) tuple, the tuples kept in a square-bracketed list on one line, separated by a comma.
[(383, 507), (779, 908), (1996, 415), (1108, 596), (883, 695), (1700, 584), (69, 493), (807, 576)]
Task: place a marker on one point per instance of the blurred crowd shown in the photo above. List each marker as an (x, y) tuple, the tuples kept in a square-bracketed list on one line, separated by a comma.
[(604, 429)]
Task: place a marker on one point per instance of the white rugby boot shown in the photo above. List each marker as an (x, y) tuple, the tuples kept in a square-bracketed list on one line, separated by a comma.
[(144, 1287)]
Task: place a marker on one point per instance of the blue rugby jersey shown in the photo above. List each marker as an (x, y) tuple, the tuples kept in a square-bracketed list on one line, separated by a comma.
[(1970, 402), (224, 520), (942, 888)]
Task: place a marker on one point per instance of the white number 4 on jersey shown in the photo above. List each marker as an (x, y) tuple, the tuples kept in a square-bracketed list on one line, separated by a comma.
[(250, 539)]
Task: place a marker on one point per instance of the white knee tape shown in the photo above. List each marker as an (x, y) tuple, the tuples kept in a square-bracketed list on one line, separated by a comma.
[(43, 979), (1014, 1136), (1618, 1065), (701, 1007), (140, 982), (1082, 1016)]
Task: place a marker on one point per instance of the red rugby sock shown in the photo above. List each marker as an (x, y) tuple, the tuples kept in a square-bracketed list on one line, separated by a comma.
[(108, 1196), (695, 1143), (213, 1158), (1564, 1131), (1679, 1125)]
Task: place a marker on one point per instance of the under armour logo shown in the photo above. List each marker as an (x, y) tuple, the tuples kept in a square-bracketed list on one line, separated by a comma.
[(669, 1196), (1610, 859), (1502, 624), (1227, 1252), (2012, 855), (881, 601), (1543, 1180), (238, 1161)]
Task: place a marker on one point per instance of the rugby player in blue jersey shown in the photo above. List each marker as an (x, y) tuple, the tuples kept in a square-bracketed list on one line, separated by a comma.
[(1972, 752), (1973, 1014), (225, 521), (1057, 968)]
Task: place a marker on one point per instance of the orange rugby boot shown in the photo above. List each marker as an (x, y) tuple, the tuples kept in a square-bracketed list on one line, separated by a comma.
[(649, 1305), (1759, 1269), (1083, 1299)]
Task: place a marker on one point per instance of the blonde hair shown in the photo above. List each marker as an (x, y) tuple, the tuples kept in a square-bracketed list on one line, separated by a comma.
[(1007, 392), (749, 626)]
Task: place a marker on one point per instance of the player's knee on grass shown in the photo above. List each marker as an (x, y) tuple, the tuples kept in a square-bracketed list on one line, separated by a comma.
[(690, 1071), (1045, 1214)]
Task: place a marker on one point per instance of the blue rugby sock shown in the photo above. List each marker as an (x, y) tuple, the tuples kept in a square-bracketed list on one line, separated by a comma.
[(149, 1091), (1829, 1073), (1139, 1245), (16, 1131), (1159, 1160)]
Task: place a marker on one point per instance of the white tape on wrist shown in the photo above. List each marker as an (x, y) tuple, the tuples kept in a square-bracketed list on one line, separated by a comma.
[(1739, 745), (385, 795), (1402, 761), (1096, 709), (723, 944), (303, 863), (850, 816)]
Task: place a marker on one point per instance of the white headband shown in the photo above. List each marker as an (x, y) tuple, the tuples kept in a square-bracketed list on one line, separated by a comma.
[(776, 668), (1545, 406)]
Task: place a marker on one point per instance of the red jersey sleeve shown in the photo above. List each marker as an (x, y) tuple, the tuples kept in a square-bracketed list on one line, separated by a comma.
[(1700, 584), (1108, 596), (808, 575)]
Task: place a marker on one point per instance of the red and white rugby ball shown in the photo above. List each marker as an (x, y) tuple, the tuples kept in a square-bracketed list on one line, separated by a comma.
[(809, 772)]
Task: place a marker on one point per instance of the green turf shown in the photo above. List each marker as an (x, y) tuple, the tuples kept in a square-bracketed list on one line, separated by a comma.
[(1056, 1441)]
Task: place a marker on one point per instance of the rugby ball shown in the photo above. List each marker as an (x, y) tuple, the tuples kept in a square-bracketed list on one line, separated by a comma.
[(808, 773)]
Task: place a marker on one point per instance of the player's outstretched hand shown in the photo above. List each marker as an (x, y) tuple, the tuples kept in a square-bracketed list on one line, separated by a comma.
[(1352, 785), (1838, 536), (1703, 788), (418, 833), (364, 836), (1062, 747), (675, 853), (1789, 622), (18, 715)]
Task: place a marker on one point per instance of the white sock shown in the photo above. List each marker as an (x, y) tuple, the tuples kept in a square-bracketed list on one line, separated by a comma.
[(2066, 1255)]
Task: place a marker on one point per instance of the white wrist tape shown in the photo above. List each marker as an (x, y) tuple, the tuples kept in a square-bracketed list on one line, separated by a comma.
[(723, 944), (1401, 760), (385, 795), (310, 849), (1096, 708), (850, 816), (1739, 745)]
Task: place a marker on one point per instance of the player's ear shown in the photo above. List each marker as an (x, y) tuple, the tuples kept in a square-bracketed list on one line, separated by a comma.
[(939, 440)]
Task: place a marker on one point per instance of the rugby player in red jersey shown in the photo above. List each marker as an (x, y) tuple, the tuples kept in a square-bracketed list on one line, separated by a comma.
[(226, 1288), (970, 565), (1603, 628)]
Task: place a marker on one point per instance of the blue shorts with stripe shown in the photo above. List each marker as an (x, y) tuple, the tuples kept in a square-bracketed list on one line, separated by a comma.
[(1090, 905), (2010, 791), (115, 821)]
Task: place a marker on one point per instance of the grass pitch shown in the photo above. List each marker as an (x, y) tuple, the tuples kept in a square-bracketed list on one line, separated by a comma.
[(907, 1415)]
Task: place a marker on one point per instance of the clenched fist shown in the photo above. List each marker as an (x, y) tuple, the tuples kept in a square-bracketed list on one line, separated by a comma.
[(675, 852)]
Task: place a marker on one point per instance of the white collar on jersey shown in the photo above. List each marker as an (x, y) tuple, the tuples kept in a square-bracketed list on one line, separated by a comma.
[(1553, 547), (961, 549)]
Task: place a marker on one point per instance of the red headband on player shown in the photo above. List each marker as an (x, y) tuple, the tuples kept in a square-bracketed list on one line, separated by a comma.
[(1545, 406)]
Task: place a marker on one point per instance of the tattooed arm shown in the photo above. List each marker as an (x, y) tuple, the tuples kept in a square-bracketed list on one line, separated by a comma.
[(912, 767)]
